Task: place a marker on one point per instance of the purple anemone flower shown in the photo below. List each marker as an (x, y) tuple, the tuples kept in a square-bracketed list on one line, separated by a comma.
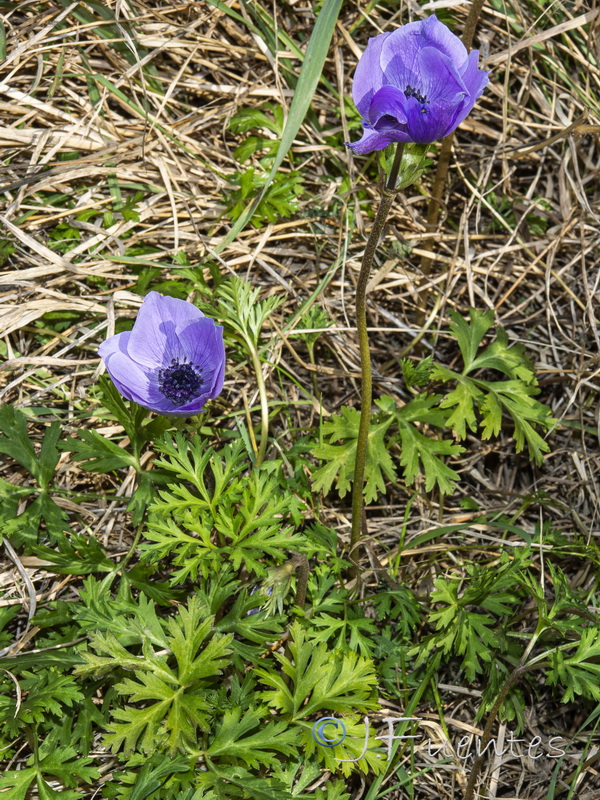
[(172, 361), (414, 84)]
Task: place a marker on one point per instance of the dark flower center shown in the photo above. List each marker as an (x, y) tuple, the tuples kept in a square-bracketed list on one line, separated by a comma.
[(410, 92), (180, 381)]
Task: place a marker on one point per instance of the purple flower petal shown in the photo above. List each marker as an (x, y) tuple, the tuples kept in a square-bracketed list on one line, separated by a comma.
[(415, 84), (473, 78), (368, 76), (434, 123), (133, 381), (438, 78), (376, 140), (388, 101), (195, 406), (399, 54), (201, 341), (172, 362), (218, 380), (154, 341), (401, 50), (116, 344), (435, 34)]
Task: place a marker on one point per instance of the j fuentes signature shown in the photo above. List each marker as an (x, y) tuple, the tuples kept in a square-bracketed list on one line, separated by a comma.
[(331, 731)]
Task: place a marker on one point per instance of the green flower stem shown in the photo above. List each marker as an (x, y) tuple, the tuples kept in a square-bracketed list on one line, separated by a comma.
[(264, 407), (362, 441)]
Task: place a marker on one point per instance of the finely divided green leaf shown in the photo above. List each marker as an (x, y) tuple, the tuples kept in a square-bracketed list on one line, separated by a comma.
[(469, 335), (15, 441), (578, 673), (320, 679), (233, 738), (97, 453), (340, 458), (421, 452)]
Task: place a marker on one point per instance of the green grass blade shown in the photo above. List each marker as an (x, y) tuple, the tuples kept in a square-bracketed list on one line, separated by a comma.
[(315, 56), (273, 30), (2, 41)]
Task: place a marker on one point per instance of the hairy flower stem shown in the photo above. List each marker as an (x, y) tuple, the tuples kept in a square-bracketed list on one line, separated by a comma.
[(362, 442), (264, 407), (441, 172)]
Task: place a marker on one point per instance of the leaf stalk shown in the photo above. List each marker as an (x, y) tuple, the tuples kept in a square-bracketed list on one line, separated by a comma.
[(264, 407)]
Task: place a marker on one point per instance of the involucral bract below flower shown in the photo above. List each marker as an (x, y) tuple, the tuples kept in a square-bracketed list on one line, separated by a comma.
[(414, 84), (172, 361)]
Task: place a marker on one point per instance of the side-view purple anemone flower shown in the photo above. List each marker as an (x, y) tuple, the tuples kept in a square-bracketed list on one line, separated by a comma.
[(172, 361), (414, 84)]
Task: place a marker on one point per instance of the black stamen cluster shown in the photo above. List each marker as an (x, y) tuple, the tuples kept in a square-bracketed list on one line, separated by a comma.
[(410, 92), (180, 381)]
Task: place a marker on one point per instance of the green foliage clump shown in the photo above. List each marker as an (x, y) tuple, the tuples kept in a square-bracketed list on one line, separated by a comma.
[(182, 694), (460, 629), (213, 512), (47, 765), (268, 118), (42, 512), (280, 200), (174, 696), (476, 403), (514, 397), (197, 669)]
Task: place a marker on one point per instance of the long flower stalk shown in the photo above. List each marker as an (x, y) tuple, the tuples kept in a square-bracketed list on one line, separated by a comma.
[(362, 442), (264, 405)]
